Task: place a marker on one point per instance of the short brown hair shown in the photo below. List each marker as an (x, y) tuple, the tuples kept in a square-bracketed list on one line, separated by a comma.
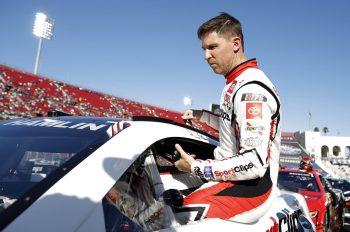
[(224, 25)]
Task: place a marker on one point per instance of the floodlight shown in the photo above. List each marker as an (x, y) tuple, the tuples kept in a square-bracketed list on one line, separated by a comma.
[(43, 28), (187, 101)]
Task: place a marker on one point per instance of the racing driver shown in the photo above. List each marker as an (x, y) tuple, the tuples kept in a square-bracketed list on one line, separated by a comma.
[(242, 178)]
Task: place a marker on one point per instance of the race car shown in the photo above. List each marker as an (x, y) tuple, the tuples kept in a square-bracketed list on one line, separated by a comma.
[(325, 204), (106, 174), (344, 186)]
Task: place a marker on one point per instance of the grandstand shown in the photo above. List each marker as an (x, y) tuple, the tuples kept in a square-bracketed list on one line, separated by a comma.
[(27, 95)]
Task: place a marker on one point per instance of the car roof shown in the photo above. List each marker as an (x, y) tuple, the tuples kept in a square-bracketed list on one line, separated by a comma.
[(78, 125)]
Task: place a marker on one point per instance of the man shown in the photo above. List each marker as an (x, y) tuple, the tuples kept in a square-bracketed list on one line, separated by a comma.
[(243, 176)]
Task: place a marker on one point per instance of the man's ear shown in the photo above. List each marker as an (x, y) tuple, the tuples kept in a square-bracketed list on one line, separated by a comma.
[(237, 43)]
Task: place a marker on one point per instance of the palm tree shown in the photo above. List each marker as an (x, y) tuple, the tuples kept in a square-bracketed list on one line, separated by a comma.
[(325, 130), (316, 129)]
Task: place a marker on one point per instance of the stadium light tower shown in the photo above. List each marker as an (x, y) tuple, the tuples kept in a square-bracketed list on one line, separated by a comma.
[(187, 102), (43, 27)]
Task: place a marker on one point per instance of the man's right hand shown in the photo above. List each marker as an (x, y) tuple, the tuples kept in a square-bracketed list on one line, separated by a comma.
[(184, 163)]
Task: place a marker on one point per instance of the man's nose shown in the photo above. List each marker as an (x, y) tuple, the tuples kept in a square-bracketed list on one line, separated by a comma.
[(207, 55)]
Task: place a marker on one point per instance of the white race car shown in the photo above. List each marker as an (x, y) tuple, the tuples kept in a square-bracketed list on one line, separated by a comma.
[(105, 174)]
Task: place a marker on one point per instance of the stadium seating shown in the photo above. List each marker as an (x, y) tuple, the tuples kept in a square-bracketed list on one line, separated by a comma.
[(27, 95)]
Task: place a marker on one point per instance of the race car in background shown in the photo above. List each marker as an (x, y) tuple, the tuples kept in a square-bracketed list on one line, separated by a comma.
[(325, 204), (106, 174)]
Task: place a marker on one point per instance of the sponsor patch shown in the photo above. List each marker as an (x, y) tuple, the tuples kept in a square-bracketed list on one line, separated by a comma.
[(253, 110), (198, 172), (254, 128), (253, 97), (225, 116), (208, 172), (252, 141), (228, 95), (232, 86), (235, 170), (227, 101)]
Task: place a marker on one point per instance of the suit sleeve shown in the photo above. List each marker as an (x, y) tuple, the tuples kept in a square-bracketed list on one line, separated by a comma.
[(253, 107)]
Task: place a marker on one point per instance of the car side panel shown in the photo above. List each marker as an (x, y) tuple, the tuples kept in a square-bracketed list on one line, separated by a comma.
[(77, 196)]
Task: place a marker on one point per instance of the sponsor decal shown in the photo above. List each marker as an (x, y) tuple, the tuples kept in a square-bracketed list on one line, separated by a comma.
[(198, 172), (228, 95), (253, 128), (198, 135), (290, 221), (253, 97), (252, 141), (225, 116), (227, 101), (236, 155), (300, 174), (227, 98), (234, 170), (232, 86), (117, 127), (253, 110), (240, 82), (208, 172)]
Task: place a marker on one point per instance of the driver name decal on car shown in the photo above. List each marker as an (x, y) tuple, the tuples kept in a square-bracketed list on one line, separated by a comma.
[(57, 124)]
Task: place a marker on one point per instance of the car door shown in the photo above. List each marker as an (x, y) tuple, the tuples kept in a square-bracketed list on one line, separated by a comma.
[(165, 153), (136, 201)]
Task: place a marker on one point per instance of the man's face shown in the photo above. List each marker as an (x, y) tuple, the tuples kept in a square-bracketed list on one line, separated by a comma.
[(219, 53)]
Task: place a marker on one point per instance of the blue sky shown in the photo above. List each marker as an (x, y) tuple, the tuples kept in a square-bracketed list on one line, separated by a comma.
[(148, 51)]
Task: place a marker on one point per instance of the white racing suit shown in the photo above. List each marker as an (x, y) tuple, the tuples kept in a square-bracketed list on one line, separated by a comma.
[(243, 175)]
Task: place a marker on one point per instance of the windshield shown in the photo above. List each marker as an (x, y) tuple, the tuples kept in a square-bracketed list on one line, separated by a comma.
[(344, 185), (34, 159), (298, 180)]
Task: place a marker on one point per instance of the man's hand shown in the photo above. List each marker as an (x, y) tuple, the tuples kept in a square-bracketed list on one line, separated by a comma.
[(192, 114), (184, 163), (188, 115)]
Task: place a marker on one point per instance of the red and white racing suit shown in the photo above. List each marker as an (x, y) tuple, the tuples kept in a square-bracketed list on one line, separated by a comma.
[(243, 175)]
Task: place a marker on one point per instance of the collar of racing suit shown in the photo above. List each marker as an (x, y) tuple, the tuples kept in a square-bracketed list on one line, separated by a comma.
[(236, 71)]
